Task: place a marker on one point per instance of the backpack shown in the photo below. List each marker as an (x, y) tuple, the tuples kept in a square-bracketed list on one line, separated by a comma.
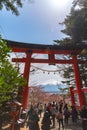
[(59, 116)]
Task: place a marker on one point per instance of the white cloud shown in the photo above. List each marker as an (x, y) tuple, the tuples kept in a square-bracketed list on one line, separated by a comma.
[(46, 74), (51, 81), (44, 78)]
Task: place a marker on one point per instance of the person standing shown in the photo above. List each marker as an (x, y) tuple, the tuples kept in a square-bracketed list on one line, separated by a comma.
[(33, 119), (59, 117), (40, 109), (46, 121), (0, 122), (74, 114), (66, 115), (53, 112), (84, 118)]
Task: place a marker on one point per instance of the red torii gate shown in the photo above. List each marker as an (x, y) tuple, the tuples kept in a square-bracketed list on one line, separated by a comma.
[(50, 50)]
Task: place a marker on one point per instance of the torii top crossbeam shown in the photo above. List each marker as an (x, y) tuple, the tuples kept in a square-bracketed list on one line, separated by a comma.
[(46, 49)]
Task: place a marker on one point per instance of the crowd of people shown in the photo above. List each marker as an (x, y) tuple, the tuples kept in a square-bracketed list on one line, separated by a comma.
[(52, 112)]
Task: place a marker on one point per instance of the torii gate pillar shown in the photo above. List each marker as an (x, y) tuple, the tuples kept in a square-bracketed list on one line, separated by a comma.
[(26, 77), (72, 95), (78, 81)]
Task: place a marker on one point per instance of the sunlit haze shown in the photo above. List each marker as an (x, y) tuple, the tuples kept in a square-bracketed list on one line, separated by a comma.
[(57, 3)]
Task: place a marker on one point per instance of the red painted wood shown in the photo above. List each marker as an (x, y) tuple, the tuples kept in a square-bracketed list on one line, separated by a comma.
[(45, 51), (26, 76), (51, 60), (72, 95), (78, 81)]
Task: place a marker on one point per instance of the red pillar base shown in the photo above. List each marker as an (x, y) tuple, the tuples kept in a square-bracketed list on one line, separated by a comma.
[(72, 96), (25, 97)]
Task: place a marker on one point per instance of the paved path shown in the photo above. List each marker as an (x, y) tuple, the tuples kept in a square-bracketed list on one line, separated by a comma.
[(70, 126)]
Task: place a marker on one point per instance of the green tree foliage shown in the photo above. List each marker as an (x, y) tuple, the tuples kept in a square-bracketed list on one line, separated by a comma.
[(11, 5), (67, 41), (10, 80), (76, 31), (75, 24), (81, 3)]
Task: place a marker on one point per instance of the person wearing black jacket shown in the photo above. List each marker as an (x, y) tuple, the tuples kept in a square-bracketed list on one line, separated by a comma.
[(84, 118), (33, 119), (46, 121)]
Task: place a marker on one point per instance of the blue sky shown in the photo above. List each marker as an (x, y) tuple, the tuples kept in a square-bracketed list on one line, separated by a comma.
[(38, 22)]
